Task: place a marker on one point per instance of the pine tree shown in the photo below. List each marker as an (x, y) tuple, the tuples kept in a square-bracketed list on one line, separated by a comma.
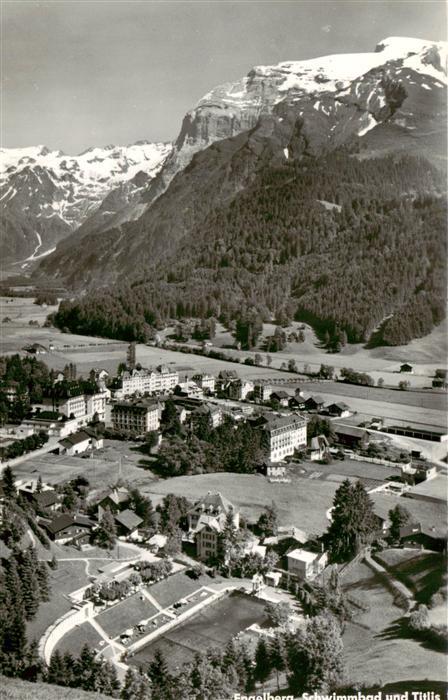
[(106, 534), (262, 668), (353, 521), (43, 578), (28, 572), (278, 655), (161, 679), (398, 517), (8, 479), (56, 669)]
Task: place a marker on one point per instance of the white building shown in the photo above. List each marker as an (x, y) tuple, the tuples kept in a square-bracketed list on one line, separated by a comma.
[(147, 381), (136, 417), (80, 442), (285, 434), (306, 565), (206, 382)]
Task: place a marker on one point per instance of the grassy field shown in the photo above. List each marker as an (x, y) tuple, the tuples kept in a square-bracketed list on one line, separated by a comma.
[(74, 641), (175, 587), (69, 576), (15, 689), (375, 649), (211, 627), (430, 514), (125, 614), (423, 572), (302, 503)]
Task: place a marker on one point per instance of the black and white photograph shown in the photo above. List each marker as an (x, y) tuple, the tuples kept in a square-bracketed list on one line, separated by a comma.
[(223, 350)]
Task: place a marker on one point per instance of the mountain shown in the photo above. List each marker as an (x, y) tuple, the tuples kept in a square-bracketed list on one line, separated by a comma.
[(274, 186), (45, 195)]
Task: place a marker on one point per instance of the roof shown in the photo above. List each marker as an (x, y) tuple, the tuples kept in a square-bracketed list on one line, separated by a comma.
[(215, 502), (316, 399), (351, 430), (75, 439), (158, 540), (340, 404), (61, 522), (302, 555), (228, 374), (318, 442), (137, 407), (419, 529), (281, 394), (46, 498), (274, 422), (128, 519)]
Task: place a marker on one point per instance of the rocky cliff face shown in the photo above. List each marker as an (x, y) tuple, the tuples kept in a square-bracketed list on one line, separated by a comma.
[(390, 100), (45, 195)]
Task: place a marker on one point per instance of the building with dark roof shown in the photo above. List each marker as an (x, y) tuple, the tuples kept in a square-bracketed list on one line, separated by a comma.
[(127, 523), (284, 434), (66, 527), (206, 521), (351, 436), (418, 536), (137, 417), (80, 442)]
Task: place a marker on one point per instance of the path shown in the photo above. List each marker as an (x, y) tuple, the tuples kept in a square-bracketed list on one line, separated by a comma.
[(398, 585), (153, 601)]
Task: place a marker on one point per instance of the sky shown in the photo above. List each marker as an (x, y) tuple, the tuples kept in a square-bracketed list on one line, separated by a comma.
[(78, 73)]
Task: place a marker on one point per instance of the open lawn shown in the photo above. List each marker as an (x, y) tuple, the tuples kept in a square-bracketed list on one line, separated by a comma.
[(424, 572), (69, 576), (211, 627), (302, 503), (175, 587), (376, 650), (430, 514), (16, 689), (74, 641), (125, 614)]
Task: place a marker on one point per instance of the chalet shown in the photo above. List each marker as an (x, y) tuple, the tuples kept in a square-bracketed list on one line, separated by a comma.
[(280, 397), (66, 528), (79, 442), (240, 389), (116, 500), (350, 436), (319, 448), (206, 522), (339, 409), (306, 565), (127, 523), (47, 500), (35, 349), (405, 367), (418, 536), (314, 404), (30, 488)]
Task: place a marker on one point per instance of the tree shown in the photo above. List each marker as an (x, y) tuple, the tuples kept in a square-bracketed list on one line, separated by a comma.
[(258, 359), (263, 668), (278, 613), (136, 686), (278, 655), (142, 506), (106, 534), (380, 383), (292, 366), (419, 618), (170, 420), (161, 679), (352, 521), (267, 523), (326, 372), (403, 385), (315, 657), (29, 581), (398, 516), (8, 479)]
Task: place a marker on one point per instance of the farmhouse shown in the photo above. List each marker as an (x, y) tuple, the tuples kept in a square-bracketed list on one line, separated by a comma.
[(281, 397), (314, 404), (306, 565), (66, 528), (406, 368), (127, 523), (206, 521), (138, 417), (351, 436), (116, 500), (418, 536), (80, 442), (339, 409)]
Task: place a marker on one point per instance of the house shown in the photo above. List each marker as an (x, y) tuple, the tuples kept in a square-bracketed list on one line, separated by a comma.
[(273, 578), (239, 389), (206, 522), (306, 565), (225, 378), (213, 415), (127, 523), (418, 536), (262, 392), (137, 418), (284, 434), (116, 500), (189, 389), (47, 500), (280, 397), (319, 448), (352, 437), (206, 382), (29, 488), (80, 442), (406, 368), (439, 383), (339, 409), (67, 528), (314, 404), (157, 542), (35, 349)]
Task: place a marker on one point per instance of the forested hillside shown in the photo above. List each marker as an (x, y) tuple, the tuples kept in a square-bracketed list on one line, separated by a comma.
[(342, 243)]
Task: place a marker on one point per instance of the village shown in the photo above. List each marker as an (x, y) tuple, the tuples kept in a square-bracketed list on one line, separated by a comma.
[(169, 545)]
